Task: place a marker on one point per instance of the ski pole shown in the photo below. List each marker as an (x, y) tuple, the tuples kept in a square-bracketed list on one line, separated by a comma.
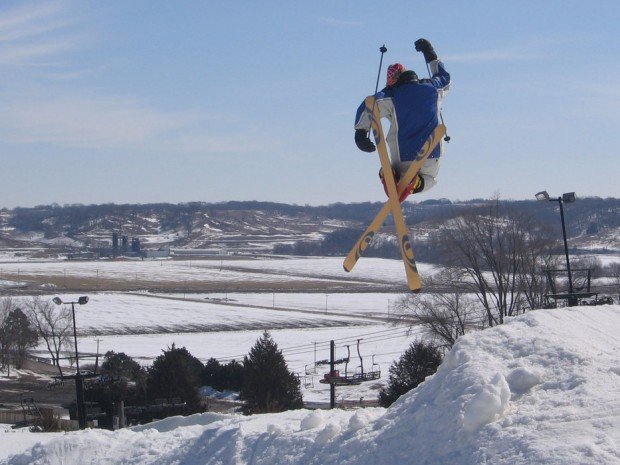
[(430, 75), (382, 49)]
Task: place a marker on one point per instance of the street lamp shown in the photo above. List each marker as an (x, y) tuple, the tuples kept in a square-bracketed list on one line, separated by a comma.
[(79, 382), (568, 197)]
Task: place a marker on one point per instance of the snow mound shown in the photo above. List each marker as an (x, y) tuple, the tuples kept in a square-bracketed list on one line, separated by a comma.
[(523, 379), (541, 389), (313, 420), (488, 403)]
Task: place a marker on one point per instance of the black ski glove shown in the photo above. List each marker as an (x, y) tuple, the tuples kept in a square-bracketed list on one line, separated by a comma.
[(424, 46), (363, 142)]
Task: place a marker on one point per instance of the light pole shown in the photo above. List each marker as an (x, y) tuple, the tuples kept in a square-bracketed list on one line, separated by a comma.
[(79, 382), (568, 197)]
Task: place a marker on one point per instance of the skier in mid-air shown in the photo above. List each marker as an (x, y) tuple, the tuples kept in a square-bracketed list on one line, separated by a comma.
[(412, 106)]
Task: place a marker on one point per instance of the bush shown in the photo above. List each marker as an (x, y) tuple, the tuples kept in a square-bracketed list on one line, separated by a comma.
[(49, 422), (419, 361)]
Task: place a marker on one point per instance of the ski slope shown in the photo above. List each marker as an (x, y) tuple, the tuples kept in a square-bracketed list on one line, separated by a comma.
[(542, 389)]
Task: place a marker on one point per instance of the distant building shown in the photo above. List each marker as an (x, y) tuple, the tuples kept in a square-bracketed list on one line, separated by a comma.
[(83, 256), (163, 252), (135, 245)]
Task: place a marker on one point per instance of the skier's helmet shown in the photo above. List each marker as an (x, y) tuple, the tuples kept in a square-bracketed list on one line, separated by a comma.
[(393, 73)]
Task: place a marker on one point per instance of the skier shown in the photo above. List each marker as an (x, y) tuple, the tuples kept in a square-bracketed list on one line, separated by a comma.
[(412, 107)]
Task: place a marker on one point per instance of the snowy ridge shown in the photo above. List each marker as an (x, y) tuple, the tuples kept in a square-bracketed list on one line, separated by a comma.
[(542, 389), (259, 227)]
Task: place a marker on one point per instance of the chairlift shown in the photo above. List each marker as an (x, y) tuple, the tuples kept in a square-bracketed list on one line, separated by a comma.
[(334, 377), (361, 375), (375, 370), (346, 363)]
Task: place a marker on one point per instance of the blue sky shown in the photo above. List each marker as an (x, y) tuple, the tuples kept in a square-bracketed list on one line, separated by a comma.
[(153, 101)]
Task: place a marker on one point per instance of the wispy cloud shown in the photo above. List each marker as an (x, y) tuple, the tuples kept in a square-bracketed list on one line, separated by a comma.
[(32, 34), (105, 122), (496, 55), (534, 47), (37, 45), (31, 54), (339, 22), (22, 18), (250, 141), (95, 122)]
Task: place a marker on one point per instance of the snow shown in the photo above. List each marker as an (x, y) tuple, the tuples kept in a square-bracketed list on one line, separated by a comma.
[(372, 270), (15, 441), (109, 313), (541, 389), (11, 284)]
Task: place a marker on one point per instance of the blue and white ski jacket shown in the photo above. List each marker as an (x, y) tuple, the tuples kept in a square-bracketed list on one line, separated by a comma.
[(413, 111)]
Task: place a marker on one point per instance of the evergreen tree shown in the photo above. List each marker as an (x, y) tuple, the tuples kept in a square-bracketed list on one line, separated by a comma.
[(268, 386), (233, 376), (20, 335), (419, 361), (212, 374), (121, 365), (227, 377), (175, 373)]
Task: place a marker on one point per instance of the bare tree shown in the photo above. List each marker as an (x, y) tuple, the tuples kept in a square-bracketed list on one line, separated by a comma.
[(446, 314), (537, 254), (500, 257), (614, 270), (54, 325)]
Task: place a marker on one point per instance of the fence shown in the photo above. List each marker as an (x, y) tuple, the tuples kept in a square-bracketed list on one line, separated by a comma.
[(17, 417)]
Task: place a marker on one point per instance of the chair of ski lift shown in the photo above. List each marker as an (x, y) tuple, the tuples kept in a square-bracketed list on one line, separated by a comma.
[(375, 370)]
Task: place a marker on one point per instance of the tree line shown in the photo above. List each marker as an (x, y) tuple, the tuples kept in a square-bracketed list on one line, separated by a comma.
[(494, 261), (262, 379)]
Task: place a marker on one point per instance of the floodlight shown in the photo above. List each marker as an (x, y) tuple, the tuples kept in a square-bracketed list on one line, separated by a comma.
[(79, 384), (569, 197)]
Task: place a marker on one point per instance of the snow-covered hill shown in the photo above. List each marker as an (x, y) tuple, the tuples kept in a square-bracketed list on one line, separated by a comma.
[(541, 389), (264, 227)]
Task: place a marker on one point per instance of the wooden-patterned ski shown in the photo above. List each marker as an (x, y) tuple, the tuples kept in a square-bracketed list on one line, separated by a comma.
[(394, 191)]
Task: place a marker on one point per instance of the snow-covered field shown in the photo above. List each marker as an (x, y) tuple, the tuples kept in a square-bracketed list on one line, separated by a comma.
[(542, 389), (372, 270), (226, 325), (208, 326)]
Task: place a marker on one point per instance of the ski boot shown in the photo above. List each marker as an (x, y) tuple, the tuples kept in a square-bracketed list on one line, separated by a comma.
[(415, 186)]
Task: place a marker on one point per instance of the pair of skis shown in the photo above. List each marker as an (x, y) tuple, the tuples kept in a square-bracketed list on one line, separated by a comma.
[(394, 190)]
